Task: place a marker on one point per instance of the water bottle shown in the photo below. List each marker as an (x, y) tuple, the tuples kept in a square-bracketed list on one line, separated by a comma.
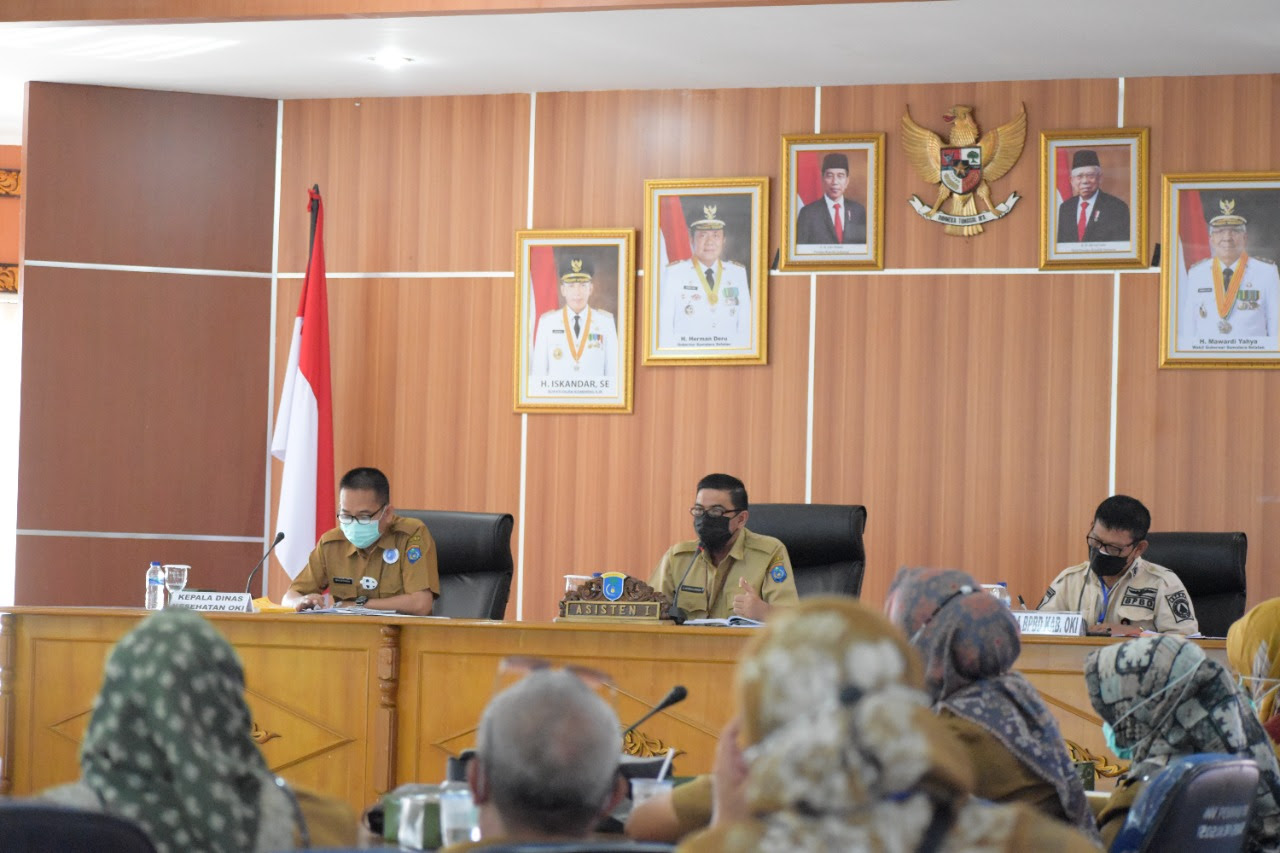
[(155, 587), (1001, 592), (458, 815)]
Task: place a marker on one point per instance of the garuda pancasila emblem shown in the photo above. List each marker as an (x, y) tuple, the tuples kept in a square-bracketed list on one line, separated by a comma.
[(962, 167)]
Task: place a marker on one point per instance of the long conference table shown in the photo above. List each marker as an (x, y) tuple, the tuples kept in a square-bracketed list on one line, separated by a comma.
[(352, 706)]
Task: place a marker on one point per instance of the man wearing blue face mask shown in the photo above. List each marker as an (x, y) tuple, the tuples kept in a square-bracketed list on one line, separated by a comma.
[(1117, 591), (373, 558), (727, 570)]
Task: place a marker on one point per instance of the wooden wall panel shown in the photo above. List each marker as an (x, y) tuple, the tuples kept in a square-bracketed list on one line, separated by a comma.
[(143, 402), (72, 571), (610, 492), (969, 414), (910, 241), (410, 184), (165, 179), (421, 389)]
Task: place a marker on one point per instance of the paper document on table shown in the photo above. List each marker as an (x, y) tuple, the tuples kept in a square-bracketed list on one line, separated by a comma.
[(731, 622), (356, 610)]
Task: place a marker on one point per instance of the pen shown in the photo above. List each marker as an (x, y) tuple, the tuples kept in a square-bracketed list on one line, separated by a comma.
[(1022, 602)]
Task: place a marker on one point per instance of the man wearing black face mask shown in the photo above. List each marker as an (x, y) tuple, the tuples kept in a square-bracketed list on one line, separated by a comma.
[(727, 570), (1117, 591)]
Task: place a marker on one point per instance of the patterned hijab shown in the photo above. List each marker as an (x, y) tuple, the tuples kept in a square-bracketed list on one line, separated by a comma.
[(1253, 649), (1165, 699), (969, 642), (169, 743)]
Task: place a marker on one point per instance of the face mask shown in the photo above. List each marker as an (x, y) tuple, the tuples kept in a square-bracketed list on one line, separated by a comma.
[(1108, 730), (1247, 692), (713, 533), (1124, 753), (360, 535), (1105, 565)]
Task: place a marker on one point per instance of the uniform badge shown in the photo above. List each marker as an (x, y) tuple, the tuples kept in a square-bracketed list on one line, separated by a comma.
[(779, 573), (1203, 313), (390, 555), (343, 580), (557, 353), (368, 583), (688, 309), (1144, 598), (1180, 605), (611, 584), (1048, 594), (414, 554)]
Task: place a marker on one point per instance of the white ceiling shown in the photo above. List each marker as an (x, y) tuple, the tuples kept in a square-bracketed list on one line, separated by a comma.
[(961, 40)]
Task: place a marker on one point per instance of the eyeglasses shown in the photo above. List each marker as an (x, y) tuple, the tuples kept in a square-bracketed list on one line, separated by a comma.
[(1096, 544), (713, 511), (348, 518)]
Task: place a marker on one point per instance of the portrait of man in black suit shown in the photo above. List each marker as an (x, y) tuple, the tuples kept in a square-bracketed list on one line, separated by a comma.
[(835, 218), (1091, 216)]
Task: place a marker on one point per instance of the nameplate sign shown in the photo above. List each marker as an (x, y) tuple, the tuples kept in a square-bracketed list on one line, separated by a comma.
[(614, 611), (1057, 624), (214, 602)]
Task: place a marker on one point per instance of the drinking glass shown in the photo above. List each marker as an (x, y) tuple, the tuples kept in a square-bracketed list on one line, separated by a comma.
[(175, 578)]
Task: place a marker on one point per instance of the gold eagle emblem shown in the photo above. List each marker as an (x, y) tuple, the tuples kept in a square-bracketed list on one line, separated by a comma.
[(963, 166)]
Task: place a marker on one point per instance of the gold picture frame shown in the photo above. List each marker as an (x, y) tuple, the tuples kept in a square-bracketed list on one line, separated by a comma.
[(1214, 311), (694, 227), (850, 168), (569, 360), (1109, 166)]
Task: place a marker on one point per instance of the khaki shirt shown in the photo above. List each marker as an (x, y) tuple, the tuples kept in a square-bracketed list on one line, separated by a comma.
[(1148, 596), (708, 591), (403, 560)]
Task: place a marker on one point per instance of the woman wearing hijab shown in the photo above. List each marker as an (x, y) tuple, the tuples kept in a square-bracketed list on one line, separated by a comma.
[(169, 746), (1161, 698), (842, 752), (1253, 650), (969, 641)]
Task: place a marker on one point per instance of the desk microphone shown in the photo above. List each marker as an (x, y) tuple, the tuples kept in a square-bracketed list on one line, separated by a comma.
[(279, 538), (677, 694), (675, 613)]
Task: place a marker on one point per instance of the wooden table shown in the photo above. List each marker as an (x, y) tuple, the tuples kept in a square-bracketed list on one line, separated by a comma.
[(354, 705)]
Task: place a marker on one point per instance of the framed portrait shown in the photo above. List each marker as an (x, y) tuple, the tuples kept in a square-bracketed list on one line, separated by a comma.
[(833, 202), (706, 271), (1093, 199), (574, 301), (1219, 290)]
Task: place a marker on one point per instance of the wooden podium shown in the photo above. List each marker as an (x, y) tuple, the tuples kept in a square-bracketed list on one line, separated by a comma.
[(354, 705)]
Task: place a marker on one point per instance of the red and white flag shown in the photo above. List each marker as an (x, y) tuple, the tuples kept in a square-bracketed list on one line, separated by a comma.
[(303, 438), (673, 231)]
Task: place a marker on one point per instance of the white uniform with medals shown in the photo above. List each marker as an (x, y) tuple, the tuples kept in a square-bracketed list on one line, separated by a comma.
[(554, 344), (1254, 315), (689, 316)]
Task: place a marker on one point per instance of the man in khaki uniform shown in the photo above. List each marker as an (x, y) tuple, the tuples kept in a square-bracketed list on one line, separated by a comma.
[(373, 558), (727, 570), (1117, 591)]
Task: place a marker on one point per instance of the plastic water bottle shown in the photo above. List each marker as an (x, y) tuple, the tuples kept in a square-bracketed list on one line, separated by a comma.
[(155, 587), (459, 820), (1001, 592)]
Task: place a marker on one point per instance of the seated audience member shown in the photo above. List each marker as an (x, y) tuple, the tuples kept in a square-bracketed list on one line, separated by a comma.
[(727, 570), (1253, 650), (373, 558), (546, 764), (1117, 591), (843, 753), (969, 641), (1161, 698), (169, 747), (670, 816)]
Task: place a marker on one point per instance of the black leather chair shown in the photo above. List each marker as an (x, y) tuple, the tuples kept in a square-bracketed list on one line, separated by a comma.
[(474, 554), (28, 826), (1211, 567), (824, 542)]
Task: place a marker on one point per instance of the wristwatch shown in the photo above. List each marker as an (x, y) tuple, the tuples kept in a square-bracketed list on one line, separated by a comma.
[(361, 600)]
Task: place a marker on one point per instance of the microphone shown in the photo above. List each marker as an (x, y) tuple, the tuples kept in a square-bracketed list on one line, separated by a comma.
[(677, 695), (279, 538), (677, 615)]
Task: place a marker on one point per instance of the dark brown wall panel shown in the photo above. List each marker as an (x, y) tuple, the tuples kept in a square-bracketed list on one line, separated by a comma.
[(55, 570), (143, 403), (125, 176), (910, 241), (410, 184), (611, 492), (969, 415)]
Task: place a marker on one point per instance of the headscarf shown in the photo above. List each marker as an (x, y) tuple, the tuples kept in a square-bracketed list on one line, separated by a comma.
[(843, 751), (169, 743), (1165, 699), (969, 642), (1253, 649)]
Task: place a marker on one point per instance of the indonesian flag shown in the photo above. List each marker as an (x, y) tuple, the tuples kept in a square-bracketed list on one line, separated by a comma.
[(303, 439), (1063, 170), (808, 177), (542, 278), (673, 231), (1193, 229)]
